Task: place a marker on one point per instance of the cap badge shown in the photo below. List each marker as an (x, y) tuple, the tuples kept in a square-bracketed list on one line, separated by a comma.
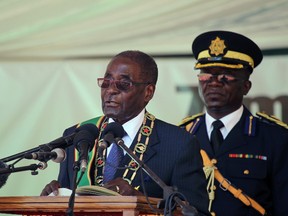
[(217, 46)]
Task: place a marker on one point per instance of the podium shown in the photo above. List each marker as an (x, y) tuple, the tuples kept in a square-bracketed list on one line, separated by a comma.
[(84, 205)]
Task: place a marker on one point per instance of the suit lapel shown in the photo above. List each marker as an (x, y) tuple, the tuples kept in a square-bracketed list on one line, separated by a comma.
[(203, 138), (238, 131), (150, 151), (153, 141)]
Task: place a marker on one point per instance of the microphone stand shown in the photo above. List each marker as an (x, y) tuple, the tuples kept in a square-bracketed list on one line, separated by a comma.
[(187, 209), (76, 168), (19, 155), (33, 167), (58, 143)]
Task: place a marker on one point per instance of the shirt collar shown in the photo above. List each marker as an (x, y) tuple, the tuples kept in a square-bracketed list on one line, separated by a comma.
[(132, 126), (229, 121)]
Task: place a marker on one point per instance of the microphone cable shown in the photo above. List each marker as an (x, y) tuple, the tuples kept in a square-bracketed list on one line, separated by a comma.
[(170, 203), (155, 211)]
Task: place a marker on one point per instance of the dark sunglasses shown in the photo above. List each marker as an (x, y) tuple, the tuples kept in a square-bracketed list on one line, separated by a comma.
[(224, 78), (120, 85)]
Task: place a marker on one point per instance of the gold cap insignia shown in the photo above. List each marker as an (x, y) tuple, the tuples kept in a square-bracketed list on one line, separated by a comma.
[(217, 46)]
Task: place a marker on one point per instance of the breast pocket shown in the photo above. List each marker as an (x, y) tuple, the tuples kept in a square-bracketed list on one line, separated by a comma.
[(246, 168)]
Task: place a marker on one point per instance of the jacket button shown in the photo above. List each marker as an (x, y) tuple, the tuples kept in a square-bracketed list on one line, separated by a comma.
[(246, 172)]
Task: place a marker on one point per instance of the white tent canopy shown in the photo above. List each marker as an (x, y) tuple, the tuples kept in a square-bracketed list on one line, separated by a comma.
[(70, 28)]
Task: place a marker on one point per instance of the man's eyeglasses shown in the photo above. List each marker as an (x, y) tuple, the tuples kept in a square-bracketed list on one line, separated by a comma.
[(120, 85), (224, 78)]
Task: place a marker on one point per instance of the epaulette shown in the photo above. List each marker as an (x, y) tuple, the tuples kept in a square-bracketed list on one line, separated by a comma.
[(271, 119), (189, 119)]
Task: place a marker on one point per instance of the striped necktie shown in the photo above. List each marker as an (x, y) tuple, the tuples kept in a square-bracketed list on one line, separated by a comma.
[(112, 162)]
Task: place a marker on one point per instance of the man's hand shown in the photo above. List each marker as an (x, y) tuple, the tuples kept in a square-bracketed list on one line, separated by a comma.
[(51, 187), (122, 187)]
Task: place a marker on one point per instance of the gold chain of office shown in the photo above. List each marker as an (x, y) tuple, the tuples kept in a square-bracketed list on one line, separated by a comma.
[(139, 150)]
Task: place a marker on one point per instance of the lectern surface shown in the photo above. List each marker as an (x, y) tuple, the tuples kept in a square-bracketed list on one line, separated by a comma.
[(84, 205)]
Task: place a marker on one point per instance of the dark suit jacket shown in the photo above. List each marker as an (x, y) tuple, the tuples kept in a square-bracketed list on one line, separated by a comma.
[(264, 180), (172, 155)]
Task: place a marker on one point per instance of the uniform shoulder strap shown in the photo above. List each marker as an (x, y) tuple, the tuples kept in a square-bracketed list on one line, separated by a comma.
[(270, 119), (189, 119), (191, 123)]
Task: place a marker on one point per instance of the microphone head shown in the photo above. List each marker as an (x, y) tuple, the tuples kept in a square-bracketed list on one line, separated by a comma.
[(91, 128), (61, 155), (87, 133), (3, 177), (112, 131), (114, 128), (68, 140), (84, 137)]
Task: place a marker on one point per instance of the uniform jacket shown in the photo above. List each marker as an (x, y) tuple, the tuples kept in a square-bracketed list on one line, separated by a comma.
[(171, 154), (254, 158)]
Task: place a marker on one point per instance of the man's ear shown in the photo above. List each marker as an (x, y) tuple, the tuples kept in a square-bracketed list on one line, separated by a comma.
[(247, 87), (149, 92)]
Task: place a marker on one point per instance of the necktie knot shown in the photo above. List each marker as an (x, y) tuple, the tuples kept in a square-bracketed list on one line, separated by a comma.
[(217, 124)]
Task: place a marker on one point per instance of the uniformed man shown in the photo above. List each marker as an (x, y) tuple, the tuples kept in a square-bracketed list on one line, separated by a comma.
[(245, 156)]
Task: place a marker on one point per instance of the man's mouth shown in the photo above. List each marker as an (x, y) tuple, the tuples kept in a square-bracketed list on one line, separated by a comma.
[(213, 93), (111, 103)]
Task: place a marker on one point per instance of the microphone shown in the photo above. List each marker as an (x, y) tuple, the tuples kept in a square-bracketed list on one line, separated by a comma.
[(57, 155), (62, 142), (84, 142), (111, 131), (3, 177)]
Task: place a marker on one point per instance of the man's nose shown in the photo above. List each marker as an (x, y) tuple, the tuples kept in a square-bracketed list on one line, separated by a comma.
[(214, 77), (112, 87)]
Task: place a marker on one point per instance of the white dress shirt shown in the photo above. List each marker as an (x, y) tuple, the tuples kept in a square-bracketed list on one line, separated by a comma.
[(229, 122), (131, 128)]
